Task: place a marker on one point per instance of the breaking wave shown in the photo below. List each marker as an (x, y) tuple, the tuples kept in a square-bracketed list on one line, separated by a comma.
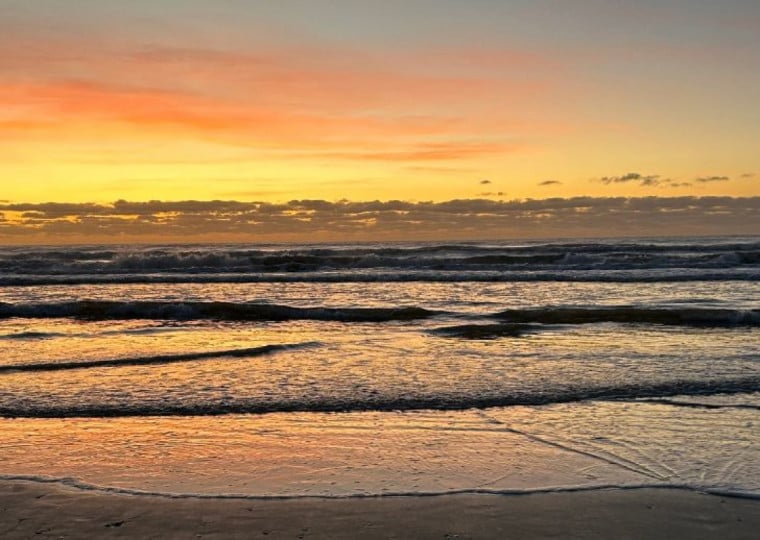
[(516, 321), (115, 310), (751, 273), (447, 262)]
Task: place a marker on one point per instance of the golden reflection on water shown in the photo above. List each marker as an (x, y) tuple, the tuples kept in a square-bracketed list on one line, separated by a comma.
[(295, 454), (339, 454), (518, 448)]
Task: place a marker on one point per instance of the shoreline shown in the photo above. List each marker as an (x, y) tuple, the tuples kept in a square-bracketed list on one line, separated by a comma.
[(55, 510), (76, 485)]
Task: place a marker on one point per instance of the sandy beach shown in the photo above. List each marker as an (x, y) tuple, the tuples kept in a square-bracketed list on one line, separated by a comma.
[(33, 510)]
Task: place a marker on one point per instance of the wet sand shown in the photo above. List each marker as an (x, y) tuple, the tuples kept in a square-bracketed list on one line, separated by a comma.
[(34, 510)]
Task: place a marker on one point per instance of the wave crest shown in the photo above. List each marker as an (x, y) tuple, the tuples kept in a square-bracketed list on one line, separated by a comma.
[(115, 310)]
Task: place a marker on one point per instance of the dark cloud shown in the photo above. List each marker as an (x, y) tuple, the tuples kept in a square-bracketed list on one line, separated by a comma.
[(311, 219), (705, 179), (641, 179), (656, 180), (550, 183), (748, 175), (484, 182)]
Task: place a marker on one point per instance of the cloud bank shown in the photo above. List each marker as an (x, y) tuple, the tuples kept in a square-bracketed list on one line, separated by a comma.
[(321, 220)]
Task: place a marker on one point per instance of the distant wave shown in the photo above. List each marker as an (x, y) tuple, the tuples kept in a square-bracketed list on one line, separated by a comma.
[(632, 314), (385, 403), (115, 310), (383, 261), (151, 360), (571, 275)]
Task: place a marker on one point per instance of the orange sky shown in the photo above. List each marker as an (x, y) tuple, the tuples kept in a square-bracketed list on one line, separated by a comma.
[(413, 100)]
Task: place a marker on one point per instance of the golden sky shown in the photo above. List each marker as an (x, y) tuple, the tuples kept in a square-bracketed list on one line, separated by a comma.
[(419, 100)]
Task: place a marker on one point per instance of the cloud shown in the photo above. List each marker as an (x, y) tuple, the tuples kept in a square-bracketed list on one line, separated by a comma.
[(52, 104), (438, 169), (641, 179), (254, 194), (706, 179), (300, 220), (268, 97), (550, 183), (748, 175), (484, 182), (656, 180), (427, 152)]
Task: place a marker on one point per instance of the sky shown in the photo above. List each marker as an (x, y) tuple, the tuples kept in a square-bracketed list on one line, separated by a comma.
[(418, 101)]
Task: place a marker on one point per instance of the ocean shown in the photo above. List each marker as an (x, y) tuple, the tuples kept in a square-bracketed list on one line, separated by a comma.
[(351, 370)]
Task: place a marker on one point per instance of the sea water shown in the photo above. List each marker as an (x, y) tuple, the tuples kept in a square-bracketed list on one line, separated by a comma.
[(371, 369)]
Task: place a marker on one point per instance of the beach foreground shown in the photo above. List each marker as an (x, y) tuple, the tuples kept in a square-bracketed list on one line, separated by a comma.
[(35, 510)]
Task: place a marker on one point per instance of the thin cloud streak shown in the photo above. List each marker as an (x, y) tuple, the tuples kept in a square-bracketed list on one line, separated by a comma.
[(271, 99), (641, 179), (706, 179), (655, 180)]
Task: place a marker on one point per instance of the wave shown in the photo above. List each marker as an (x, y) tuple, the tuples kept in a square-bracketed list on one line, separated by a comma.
[(151, 360), (697, 404), (485, 331), (31, 335), (708, 317), (100, 310), (34, 335), (491, 276), (516, 321), (620, 255), (385, 403)]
